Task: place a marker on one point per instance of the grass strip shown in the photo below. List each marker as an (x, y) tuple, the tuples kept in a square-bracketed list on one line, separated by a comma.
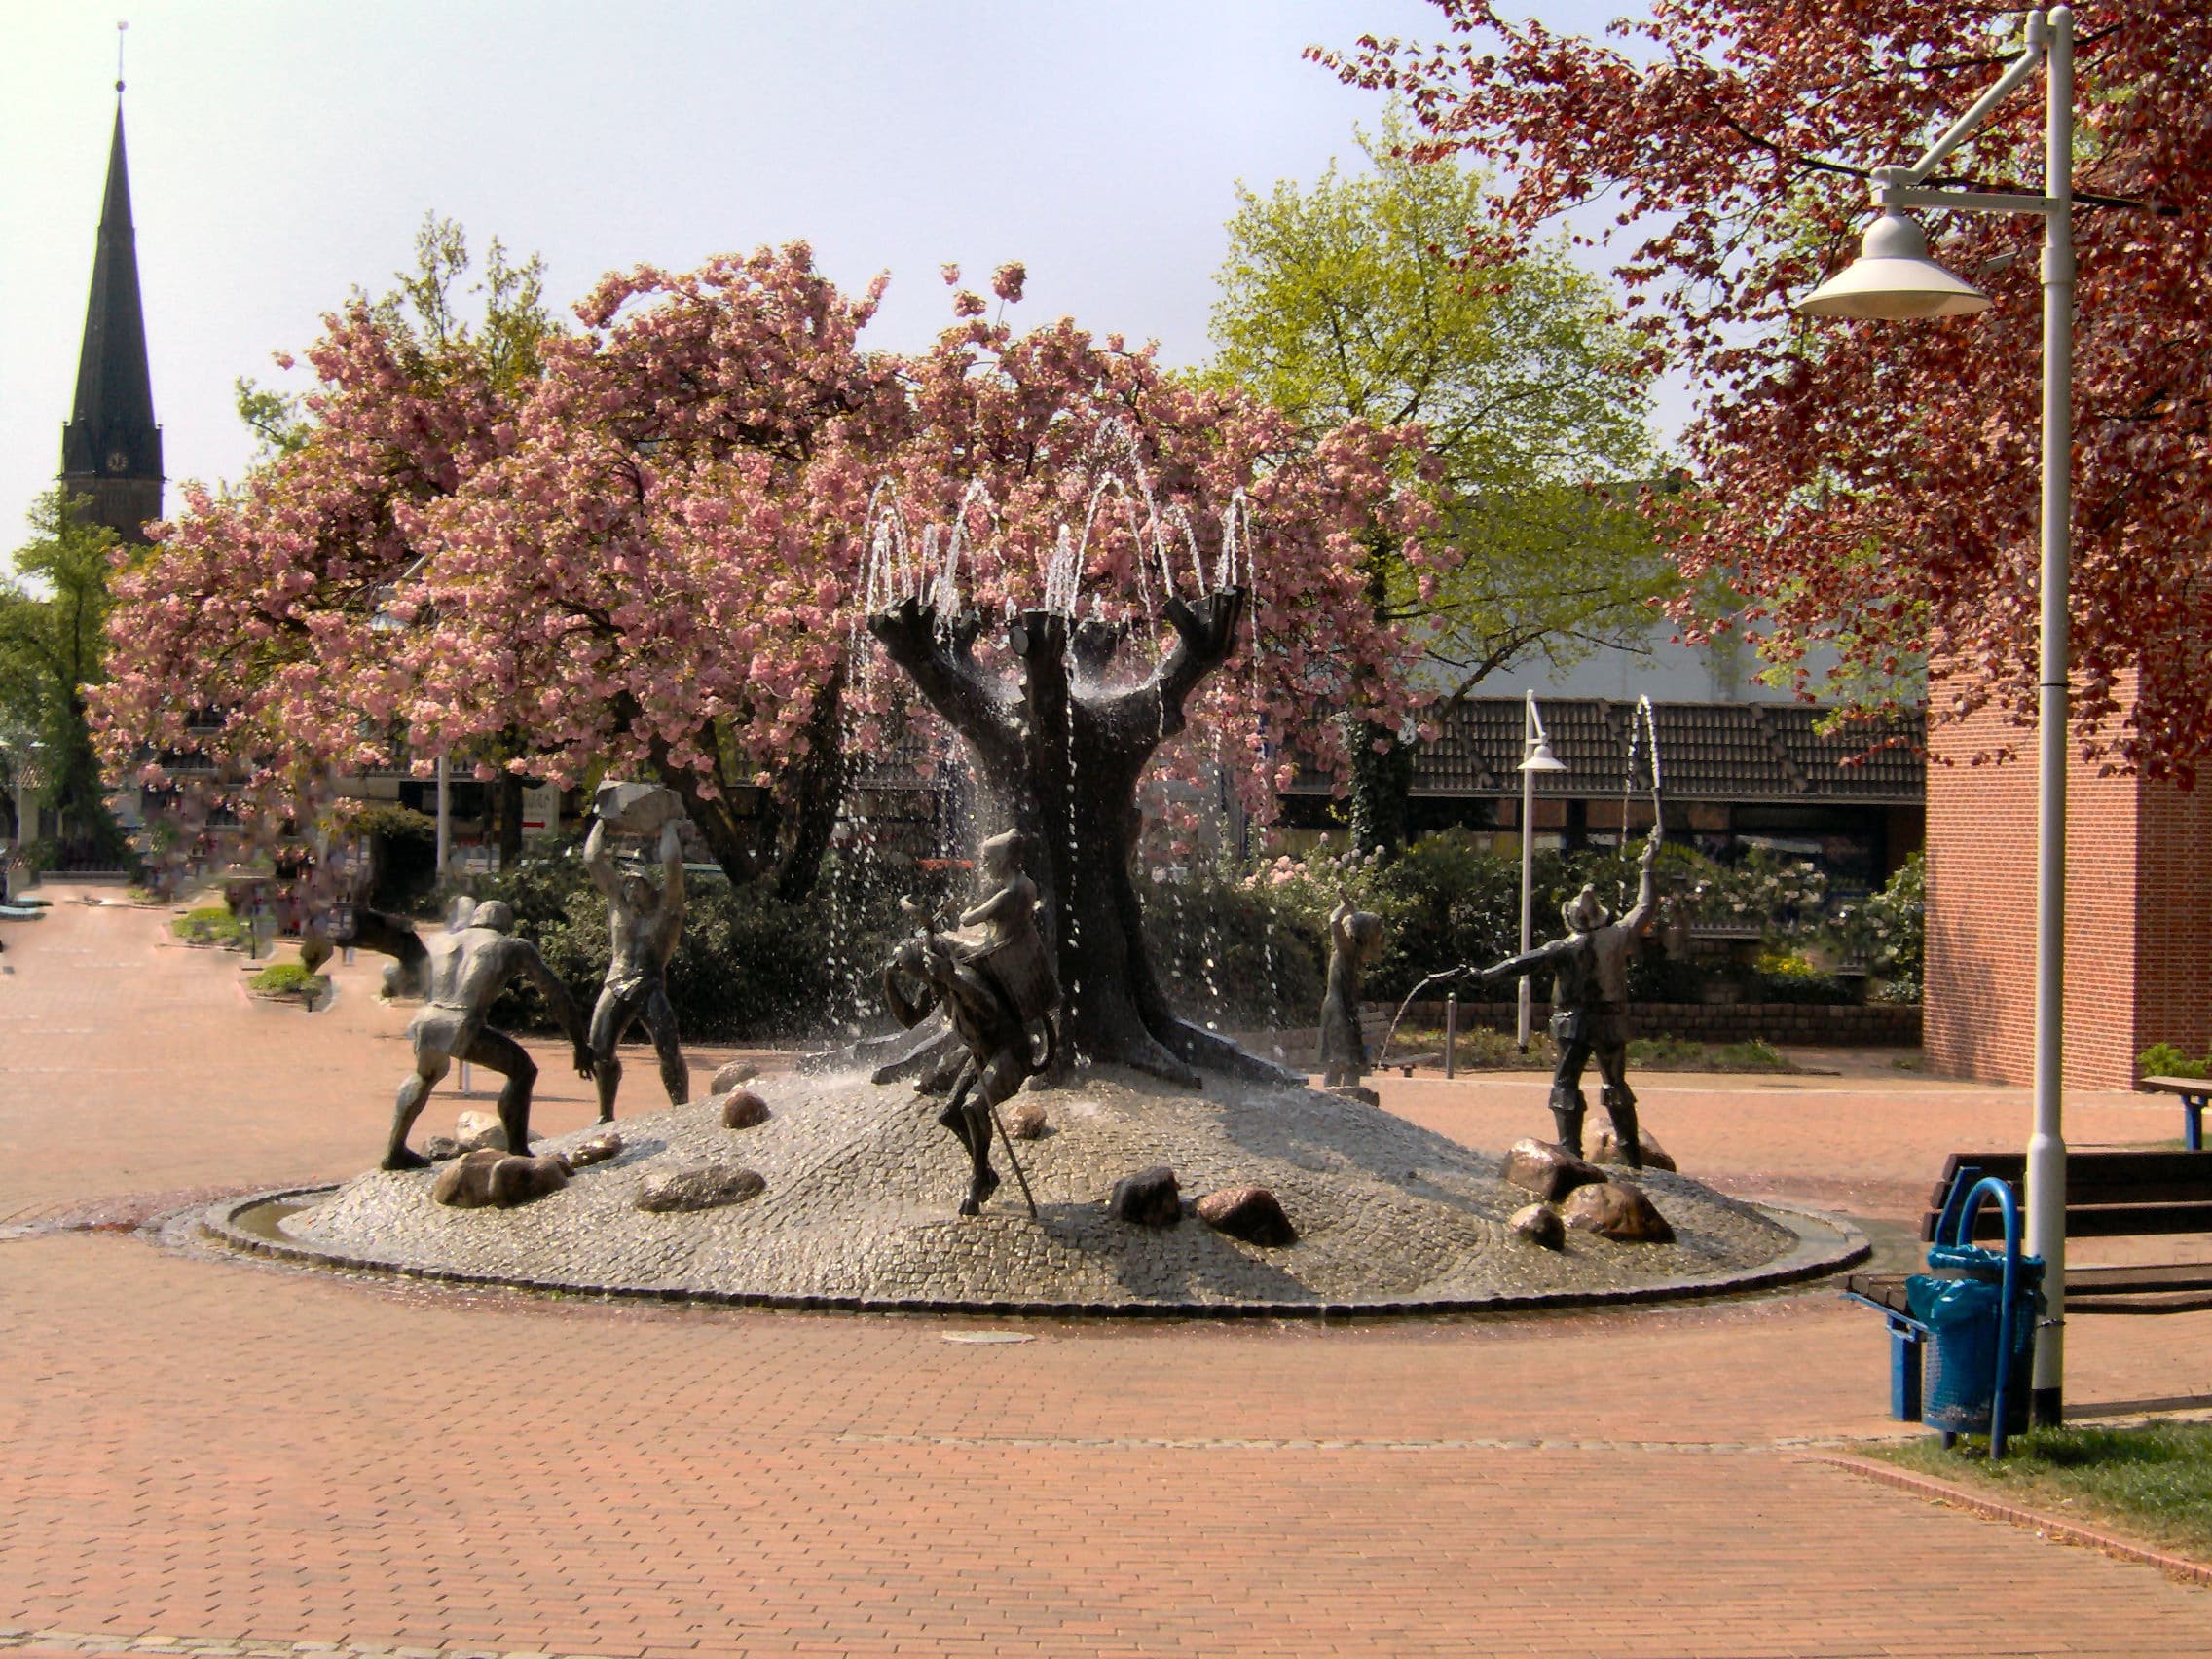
[(2152, 1482)]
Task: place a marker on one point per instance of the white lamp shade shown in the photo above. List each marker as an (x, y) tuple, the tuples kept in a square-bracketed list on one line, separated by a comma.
[(1894, 280), (1541, 758)]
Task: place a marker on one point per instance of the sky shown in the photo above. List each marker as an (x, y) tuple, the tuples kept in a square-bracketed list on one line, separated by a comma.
[(282, 154)]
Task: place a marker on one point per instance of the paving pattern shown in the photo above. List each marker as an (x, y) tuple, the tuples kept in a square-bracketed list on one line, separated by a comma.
[(216, 1456)]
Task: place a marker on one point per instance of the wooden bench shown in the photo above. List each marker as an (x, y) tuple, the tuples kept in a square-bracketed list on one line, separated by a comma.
[(2109, 1194), (2194, 1091), (1373, 1032)]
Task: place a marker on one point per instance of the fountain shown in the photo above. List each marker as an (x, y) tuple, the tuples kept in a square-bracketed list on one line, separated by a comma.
[(836, 1185)]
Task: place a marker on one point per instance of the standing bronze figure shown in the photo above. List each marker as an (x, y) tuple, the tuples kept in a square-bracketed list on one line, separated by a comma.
[(643, 926), (1589, 970), (1354, 936), (468, 971), (993, 979)]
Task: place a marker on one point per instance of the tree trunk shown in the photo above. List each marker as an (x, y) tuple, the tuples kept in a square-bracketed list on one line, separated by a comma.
[(1382, 779), (1063, 757), (818, 789), (510, 819)]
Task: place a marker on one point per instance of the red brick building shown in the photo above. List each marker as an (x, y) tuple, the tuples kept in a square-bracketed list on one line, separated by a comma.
[(2138, 915)]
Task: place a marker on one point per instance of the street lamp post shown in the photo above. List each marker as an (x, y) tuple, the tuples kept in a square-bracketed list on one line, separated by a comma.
[(1535, 757), (1894, 280)]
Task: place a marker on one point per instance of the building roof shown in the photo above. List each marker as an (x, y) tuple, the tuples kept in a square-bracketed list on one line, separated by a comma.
[(1735, 751), (111, 431)]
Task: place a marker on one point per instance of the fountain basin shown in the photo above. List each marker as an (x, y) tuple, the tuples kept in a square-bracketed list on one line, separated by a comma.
[(862, 1183)]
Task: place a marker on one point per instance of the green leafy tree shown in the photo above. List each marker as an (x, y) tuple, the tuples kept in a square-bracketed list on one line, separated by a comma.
[(1355, 299), (53, 611)]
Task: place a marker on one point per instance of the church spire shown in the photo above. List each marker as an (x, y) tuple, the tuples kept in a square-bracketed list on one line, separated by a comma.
[(111, 448)]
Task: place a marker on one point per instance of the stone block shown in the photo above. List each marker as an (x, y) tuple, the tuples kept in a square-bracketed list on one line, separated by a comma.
[(489, 1178), (1250, 1213), (1547, 1170), (636, 809), (1620, 1211), (1655, 1156), (1539, 1224), (742, 1109), (699, 1187), (1150, 1197), (594, 1149)]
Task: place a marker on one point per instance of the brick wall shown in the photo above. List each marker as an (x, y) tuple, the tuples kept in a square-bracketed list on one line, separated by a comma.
[(2138, 915)]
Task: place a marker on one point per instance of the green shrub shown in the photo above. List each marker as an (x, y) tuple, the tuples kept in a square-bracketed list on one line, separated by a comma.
[(1226, 953), (403, 852), (211, 924), (283, 979), (1789, 976), (2163, 1060)]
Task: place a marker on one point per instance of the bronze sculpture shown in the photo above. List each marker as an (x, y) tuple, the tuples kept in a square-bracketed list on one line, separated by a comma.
[(469, 968), (1589, 994), (1354, 936), (994, 980), (643, 926)]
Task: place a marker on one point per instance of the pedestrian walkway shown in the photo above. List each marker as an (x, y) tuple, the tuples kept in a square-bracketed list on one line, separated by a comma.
[(216, 1455)]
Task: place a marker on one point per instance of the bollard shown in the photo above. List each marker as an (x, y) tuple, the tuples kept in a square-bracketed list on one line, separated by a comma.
[(467, 1090), (1450, 1030)]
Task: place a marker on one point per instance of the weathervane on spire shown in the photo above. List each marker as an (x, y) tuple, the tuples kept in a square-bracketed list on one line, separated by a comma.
[(120, 29)]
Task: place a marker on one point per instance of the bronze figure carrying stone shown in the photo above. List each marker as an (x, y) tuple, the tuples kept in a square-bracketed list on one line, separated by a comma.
[(645, 926), (993, 979), (467, 974), (1589, 970)]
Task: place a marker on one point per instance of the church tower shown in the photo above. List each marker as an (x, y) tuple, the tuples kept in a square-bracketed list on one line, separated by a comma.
[(111, 448)]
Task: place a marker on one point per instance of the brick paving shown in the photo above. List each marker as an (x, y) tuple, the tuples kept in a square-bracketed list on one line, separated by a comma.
[(222, 1456)]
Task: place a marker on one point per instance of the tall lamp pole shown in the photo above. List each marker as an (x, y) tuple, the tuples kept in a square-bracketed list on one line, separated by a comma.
[(1894, 280), (1535, 757)]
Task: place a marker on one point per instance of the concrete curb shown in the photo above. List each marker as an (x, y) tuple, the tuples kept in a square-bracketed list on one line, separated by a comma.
[(1825, 1245), (2065, 1531)]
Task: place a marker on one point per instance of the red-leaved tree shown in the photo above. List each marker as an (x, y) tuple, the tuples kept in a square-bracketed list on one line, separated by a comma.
[(1874, 486)]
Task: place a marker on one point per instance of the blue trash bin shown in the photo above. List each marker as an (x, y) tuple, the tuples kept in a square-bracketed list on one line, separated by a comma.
[(1959, 1389), (1980, 1309)]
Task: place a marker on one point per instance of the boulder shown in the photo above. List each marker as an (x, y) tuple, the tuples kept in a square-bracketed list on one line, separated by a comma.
[(636, 809), (1547, 1170), (1250, 1213), (1655, 1156), (473, 1130), (438, 1148), (742, 1109), (1148, 1198), (1539, 1224), (731, 1075), (1617, 1210), (1027, 1120), (491, 1179), (1359, 1091), (594, 1149), (699, 1187)]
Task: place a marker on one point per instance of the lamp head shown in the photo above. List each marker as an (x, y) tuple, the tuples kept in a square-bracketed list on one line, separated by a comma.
[(1541, 758), (1892, 280)]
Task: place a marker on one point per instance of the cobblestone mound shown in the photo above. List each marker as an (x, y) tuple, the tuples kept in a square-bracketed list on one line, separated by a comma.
[(862, 1183)]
